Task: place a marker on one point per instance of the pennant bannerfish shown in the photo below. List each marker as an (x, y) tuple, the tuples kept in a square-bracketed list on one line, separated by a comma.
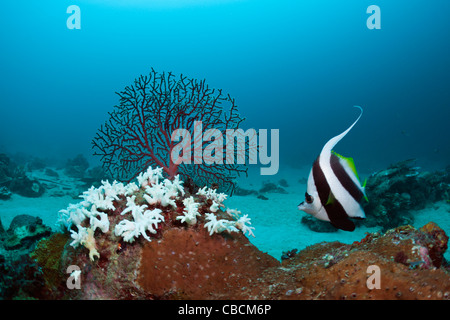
[(334, 191)]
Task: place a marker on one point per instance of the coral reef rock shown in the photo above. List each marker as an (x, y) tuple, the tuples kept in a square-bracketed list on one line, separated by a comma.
[(27, 187), (154, 240), (24, 231), (185, 263), (395, 192), (342, 271), (188, 263)]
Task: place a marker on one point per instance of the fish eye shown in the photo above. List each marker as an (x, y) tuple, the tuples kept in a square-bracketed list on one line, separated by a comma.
[(308, 198)]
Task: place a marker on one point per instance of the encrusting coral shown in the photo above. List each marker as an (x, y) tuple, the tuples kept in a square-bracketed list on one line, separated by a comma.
[(109, 206)]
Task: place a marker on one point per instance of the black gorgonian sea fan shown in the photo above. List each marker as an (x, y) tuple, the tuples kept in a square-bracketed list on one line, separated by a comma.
[(138, 133)]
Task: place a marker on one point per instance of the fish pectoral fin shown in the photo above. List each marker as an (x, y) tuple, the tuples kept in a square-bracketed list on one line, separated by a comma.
[(343, 224), (331, 199)]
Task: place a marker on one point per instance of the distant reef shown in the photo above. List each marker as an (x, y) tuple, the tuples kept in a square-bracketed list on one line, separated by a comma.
[(33, 177)]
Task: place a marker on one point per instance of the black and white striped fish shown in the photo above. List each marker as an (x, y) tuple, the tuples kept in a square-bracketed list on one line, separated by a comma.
[(334, 191)]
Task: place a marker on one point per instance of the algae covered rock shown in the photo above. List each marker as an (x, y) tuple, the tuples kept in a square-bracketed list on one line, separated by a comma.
[(394, 193), (47, 254), (24, 231), (21, 276), (27, 187)]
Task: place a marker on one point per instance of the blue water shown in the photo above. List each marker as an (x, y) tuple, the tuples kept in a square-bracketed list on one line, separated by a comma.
[(296, 66)]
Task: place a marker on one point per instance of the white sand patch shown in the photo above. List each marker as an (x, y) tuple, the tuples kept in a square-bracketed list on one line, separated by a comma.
[(61, 191), (44, 207)]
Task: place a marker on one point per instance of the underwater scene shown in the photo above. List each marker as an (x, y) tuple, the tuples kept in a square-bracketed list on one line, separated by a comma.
[(224, 150)]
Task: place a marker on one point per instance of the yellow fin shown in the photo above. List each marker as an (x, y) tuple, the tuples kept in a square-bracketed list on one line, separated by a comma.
[(349, 162), (331, 199), (364, 190)]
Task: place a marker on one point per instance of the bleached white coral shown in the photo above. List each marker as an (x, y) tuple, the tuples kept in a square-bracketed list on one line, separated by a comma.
[(131, 188), (78, 237), (164, 193), (85, 237), (99, 202), (127, 230), (211, 194), (158, 194), (102, 223), (243, 224), (89, 243), (151, 176), (75, 214), (190, 211), (112, 190), (217, 226), (143, 221), (133, 207), (75, 275), (175, 186), (97, 197)]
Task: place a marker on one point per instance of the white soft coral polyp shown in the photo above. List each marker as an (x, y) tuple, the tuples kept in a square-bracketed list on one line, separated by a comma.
[(143, 221), (143, 217), (157, 194), (164, 193), (149, 177), (243, 224), (78, 237), (97, 197), (190, 211), (217, 226), (102, 223), (216, 198)]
